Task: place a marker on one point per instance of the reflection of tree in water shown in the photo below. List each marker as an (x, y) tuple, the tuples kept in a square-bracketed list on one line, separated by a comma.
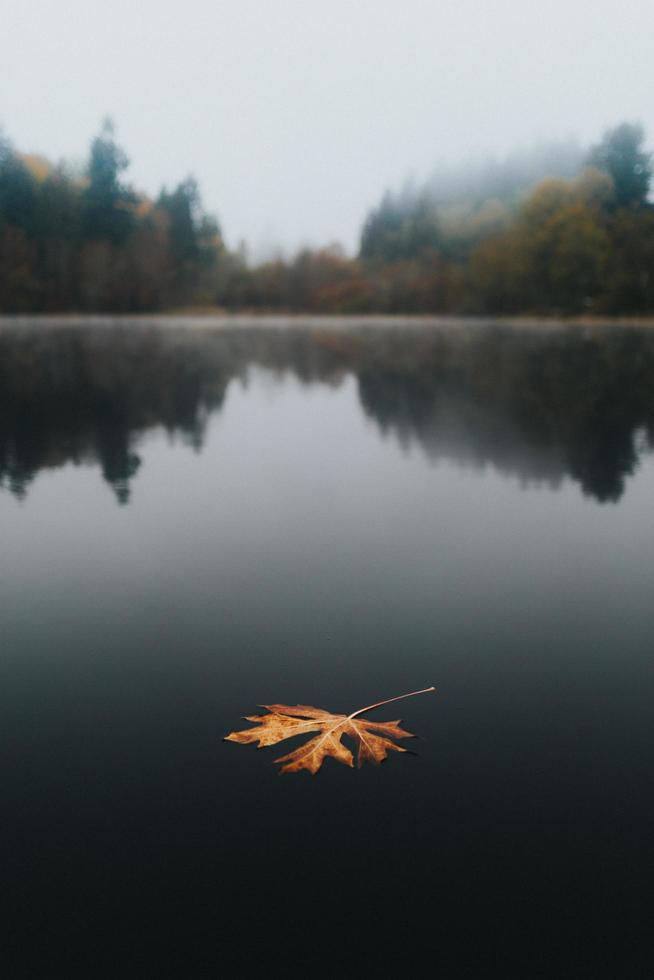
[(541, 404), (86, 395)]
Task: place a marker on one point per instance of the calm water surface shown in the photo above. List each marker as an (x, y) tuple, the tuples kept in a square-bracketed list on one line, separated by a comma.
[(198, 521)]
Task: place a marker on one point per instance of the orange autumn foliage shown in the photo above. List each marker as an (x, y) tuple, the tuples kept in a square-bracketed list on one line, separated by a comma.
[(373, 740)]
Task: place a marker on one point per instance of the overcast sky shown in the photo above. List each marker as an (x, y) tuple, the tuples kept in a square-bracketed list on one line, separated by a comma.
[(296, 114)]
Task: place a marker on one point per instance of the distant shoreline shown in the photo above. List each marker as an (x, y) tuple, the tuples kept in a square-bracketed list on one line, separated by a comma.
[(223, 321)]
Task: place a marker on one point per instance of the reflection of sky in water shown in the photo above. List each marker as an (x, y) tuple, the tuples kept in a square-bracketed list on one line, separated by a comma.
[(301, 552), (296, 492), (538, 405)]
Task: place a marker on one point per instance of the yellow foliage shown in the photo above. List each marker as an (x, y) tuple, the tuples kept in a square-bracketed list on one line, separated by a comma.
[(39, 167)]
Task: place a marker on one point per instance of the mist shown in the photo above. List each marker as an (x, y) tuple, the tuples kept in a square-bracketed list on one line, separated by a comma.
[(327, 377), (295, 118)]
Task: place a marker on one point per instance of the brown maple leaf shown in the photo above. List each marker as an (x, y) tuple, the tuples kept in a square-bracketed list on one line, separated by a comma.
[(372, 738)]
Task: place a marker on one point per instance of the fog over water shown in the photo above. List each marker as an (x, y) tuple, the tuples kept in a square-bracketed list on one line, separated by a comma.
[(295, 117), (197, 522)]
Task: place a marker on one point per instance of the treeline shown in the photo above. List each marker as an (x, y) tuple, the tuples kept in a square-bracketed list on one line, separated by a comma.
[(580, 239), (555, 231), (86, 240)]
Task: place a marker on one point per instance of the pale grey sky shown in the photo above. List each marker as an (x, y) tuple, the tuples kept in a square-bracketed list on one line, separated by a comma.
[(295, 115)]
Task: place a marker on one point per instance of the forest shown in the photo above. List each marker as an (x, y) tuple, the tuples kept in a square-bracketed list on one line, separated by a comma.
[(559, 231)]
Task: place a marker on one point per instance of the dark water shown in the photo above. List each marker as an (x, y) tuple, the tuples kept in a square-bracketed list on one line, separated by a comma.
[(195, 522)]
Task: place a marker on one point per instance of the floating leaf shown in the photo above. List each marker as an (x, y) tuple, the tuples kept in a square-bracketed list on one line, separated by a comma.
[(373, 739)]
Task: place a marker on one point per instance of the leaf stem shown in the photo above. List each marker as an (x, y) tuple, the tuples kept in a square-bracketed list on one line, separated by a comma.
[(378, 704)]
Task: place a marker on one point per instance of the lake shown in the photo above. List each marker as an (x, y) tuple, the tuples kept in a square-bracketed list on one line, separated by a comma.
[(199, 519)]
